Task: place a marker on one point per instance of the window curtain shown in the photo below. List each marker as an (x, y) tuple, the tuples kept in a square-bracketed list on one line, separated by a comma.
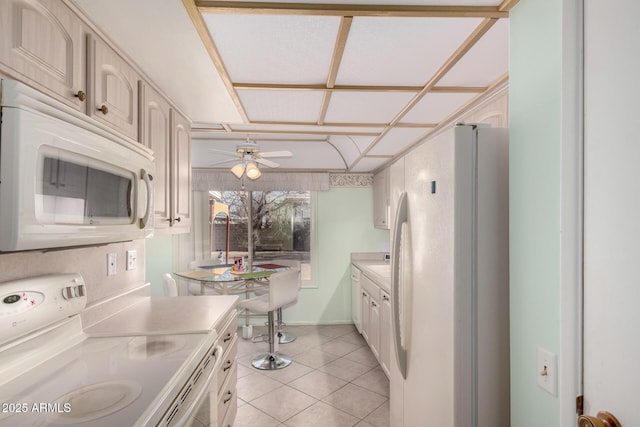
[(223, 180)]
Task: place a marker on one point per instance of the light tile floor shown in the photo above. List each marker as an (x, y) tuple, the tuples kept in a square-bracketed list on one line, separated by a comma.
[(334, 381)]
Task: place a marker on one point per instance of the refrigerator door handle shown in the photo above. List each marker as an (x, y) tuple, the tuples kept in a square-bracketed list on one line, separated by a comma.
[(400, 219)]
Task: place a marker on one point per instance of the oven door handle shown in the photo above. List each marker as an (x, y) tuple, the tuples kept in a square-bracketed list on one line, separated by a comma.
[(202, 394)]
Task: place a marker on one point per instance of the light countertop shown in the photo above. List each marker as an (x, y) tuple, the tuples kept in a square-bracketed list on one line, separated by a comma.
[(370, 266), (167, 315)]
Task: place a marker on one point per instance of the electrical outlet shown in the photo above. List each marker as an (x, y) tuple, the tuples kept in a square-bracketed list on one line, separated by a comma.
[(547, 370), (111, 264), (132, 260)]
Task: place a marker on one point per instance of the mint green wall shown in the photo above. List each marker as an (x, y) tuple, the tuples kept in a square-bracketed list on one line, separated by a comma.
[(535, 87), (344, 224), (158, 260)]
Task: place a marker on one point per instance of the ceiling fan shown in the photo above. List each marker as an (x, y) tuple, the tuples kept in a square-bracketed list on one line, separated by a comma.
[(248, 156)]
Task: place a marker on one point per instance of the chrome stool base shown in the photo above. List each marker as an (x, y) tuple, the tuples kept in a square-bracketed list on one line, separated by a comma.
[(285, 337), (271, 361)]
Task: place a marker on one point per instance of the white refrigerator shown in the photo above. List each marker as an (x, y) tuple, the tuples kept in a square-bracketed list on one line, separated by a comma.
[(450, 281)]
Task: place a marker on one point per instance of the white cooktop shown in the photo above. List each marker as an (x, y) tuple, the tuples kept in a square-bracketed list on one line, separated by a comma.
[(103, 382), (167, 315)]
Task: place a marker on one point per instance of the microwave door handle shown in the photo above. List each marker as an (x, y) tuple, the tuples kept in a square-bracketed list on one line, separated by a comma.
[(202, 394), (147, 178), (396, 248)]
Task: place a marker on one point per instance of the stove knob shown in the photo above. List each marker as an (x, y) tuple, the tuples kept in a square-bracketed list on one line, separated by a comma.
[(68, 293), (80, 291)]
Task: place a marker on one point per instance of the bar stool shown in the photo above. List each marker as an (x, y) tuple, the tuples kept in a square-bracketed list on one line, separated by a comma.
[(169, 286), (283, 290), (283, 336)]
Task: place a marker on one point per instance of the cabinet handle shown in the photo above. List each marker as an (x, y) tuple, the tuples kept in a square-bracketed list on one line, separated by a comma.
[(103, 109), (177, 219), (364, 294), (384, 297), (228, 398), (228, 366), (227, 338), (373, 304), (80, 95)]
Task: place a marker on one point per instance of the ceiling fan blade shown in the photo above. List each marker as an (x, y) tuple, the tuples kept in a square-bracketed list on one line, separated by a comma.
[(230, 153), (268, 163), (222, 162), (273, 154)]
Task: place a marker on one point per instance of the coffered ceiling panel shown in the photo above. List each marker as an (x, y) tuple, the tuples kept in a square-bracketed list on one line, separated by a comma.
[(284, 105), (368, 164), (485, 62), (366, 107), (396, 140), (435, 107), (342, 85), (400, 51), (274, 48), (298, 130)]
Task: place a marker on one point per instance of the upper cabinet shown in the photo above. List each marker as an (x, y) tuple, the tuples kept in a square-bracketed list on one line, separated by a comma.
[(113, 88), (43, 42), (181, 173), (155, 133), (48, 45), (381, 199), (168, 134)]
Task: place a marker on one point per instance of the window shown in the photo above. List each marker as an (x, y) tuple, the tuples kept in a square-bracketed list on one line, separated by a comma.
[(282, 224)]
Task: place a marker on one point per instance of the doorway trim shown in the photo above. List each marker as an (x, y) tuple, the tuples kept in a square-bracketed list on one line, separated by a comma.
[(572, 210)]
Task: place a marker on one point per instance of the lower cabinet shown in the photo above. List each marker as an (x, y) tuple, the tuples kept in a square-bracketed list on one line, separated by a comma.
[(374, 328), (375, 320), (365, 308), (385, 333), (228, 372)]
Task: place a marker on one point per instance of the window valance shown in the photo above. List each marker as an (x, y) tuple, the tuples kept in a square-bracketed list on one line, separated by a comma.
[(223, 180)]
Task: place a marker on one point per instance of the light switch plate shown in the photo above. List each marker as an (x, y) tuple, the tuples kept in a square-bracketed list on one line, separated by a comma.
[(547, 371)]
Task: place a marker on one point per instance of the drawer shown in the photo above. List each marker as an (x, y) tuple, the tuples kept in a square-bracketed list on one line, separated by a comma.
[(230, 418), (228, 364), (372, 289), (227, 397), (227, 333)]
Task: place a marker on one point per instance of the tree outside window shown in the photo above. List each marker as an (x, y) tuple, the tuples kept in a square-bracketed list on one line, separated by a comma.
[(281, 224)]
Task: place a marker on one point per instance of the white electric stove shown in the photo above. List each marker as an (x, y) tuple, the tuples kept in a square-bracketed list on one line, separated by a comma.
[(52, 374)]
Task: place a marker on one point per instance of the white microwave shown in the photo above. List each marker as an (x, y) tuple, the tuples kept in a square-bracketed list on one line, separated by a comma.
[(66, 180)]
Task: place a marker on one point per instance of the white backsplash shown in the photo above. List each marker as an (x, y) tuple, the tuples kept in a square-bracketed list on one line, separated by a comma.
[(90, 262)]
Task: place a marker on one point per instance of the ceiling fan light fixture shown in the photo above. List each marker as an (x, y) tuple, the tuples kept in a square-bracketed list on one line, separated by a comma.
[(252, 171), (238, 170)]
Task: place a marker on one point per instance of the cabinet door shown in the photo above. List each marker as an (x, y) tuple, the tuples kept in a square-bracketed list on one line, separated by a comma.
[(113, 88), (381, 199), (181, 178), (365, 306), (374, 328), (356, 310), (155, 133), (385, 333), (42, 42)]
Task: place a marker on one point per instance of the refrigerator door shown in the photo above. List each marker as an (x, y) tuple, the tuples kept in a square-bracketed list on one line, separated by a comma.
[(452, 260)]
